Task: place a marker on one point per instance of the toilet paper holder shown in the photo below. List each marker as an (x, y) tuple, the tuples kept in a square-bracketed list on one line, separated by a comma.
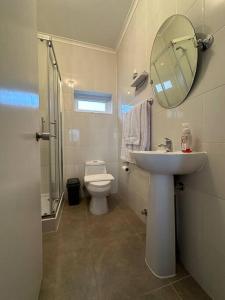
[(125, 167), (144, 212)]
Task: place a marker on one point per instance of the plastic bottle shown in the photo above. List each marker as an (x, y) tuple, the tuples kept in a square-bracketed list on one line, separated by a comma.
[(186, 139)]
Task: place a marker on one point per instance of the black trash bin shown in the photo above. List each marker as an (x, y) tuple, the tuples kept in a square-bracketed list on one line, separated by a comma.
[(73, 189)]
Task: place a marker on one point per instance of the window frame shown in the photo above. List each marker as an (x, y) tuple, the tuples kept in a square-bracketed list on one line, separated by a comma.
[(94, 94)]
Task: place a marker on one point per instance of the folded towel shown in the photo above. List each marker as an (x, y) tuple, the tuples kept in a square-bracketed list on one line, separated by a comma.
[(136, 133)]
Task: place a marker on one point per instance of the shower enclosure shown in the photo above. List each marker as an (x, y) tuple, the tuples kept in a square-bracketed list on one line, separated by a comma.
[(50, 135)]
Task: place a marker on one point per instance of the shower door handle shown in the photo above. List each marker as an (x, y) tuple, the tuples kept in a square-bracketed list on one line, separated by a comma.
[(43, 135)]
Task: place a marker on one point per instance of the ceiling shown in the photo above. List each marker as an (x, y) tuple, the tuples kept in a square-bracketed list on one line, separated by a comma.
[(97, 22)]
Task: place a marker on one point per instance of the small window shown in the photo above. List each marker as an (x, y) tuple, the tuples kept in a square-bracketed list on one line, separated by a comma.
[(96, 102)]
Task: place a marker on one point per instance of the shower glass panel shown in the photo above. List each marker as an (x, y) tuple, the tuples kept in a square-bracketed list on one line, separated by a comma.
[(49, 90)]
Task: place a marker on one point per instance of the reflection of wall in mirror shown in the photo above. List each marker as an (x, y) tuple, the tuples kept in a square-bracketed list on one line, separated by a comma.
[(179, 61), (173, 62)]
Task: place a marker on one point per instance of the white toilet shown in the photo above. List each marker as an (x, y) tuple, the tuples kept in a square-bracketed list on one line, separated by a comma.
[(98, 184)]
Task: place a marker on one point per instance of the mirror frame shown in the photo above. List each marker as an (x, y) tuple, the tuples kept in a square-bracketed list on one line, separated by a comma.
[(194, 75)]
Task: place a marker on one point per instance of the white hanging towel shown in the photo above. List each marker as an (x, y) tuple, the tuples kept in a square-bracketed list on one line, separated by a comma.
[(136, 131), (133, 133), (125, 156)]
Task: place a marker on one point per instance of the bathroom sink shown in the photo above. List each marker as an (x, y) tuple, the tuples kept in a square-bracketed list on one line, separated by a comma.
[(170, 163), (160, 236)]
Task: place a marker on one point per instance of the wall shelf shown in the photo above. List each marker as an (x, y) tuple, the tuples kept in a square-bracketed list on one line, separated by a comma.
[(140, 80)]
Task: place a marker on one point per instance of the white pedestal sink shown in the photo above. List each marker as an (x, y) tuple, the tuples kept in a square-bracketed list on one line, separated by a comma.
[(160, 237)]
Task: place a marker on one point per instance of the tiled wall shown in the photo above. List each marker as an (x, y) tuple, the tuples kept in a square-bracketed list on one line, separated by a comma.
[(87, 136), (201, 205)]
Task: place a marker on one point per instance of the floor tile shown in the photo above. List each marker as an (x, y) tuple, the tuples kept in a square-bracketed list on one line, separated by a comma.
[(111, 225), (180, 272), (134, 221), (103, 258), (70, 276), (120, 268), (166, 293), (189, 289)]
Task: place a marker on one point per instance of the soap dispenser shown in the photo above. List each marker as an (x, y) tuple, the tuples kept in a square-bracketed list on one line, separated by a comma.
[(186, 138)]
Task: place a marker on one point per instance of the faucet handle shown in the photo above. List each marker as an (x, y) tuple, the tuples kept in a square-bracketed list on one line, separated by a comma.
[(169, 144)]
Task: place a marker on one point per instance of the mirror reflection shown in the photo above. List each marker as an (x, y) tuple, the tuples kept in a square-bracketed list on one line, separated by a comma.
[(173, 61)]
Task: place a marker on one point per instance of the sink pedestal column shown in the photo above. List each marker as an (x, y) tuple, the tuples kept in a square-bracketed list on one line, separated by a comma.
[(160, 243)]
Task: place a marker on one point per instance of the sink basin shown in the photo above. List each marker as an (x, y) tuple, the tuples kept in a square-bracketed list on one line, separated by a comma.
[(160, 236), (170, 163)]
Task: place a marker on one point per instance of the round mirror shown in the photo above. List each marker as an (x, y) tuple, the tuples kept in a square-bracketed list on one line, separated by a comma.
[(174, 60)]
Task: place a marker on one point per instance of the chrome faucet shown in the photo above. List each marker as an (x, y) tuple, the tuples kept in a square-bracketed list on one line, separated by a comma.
[(168, 146)]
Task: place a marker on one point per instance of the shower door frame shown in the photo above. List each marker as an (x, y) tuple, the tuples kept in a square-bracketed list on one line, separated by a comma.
[(55, 130)]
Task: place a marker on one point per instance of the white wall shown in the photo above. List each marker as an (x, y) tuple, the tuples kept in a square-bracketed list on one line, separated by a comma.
[(95, 134), (202, 204), (20, 207)]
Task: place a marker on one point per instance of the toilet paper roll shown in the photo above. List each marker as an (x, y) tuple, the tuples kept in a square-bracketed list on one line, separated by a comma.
[(125, 168)]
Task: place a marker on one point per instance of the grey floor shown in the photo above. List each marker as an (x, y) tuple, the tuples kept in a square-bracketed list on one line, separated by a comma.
[(102, 258)]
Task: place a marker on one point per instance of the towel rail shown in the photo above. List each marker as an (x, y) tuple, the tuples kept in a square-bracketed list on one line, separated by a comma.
[(150, 101)]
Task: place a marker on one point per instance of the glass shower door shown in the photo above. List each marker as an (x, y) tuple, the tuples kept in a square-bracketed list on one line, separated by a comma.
[(50, 134), (54, 135)]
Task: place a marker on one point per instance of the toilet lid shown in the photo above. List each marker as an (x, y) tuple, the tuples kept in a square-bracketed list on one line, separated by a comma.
[(100, 183), (98, 177)]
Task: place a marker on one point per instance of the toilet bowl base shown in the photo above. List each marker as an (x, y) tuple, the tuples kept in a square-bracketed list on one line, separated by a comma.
[(98, 205)]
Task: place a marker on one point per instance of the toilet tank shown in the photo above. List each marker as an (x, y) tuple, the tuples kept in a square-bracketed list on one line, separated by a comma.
[(93, 167)]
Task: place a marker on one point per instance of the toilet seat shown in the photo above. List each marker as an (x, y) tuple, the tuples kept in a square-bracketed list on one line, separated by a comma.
[(98, 178), (99, 183)]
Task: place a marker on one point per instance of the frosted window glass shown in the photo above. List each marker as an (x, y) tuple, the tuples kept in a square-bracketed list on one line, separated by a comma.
[(91, 106), (86, 101)]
